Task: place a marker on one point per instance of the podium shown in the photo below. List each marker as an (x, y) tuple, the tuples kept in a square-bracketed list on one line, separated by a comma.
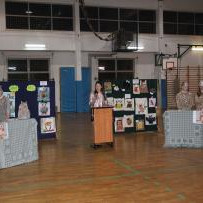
[(103, 125)]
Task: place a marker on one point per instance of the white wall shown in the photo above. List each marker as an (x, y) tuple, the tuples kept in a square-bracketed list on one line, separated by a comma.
[(61, 45), (184, 5)]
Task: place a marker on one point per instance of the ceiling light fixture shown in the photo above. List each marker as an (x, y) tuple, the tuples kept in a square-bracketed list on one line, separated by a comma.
[(35, 47), (101, 68), (134, 47), (197, 48)]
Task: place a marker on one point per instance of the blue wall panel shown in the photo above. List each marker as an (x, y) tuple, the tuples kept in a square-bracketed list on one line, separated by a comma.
[(75, 94), (68, 90), (163, 94)]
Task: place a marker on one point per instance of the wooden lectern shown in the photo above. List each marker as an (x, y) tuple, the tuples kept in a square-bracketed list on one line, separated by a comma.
[(103, 125)]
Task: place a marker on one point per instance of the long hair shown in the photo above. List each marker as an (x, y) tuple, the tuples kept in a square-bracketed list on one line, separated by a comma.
[(95, 91), (102, 89), (199, 92)]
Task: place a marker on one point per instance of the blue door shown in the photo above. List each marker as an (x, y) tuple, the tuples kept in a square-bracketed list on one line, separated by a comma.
[(68, 90)]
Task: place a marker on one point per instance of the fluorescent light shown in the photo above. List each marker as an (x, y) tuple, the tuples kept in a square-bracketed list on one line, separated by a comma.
[(12, 68), (101, 68), (35, 46), (197, 48), (28, 12), (133, 47)]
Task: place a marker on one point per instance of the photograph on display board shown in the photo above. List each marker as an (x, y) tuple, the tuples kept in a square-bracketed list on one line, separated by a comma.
[(118, 104), (44, 108), (119, 125), (108, 87), (152, 102), (136, 89), (4, 130), (150, 119), (128, 121), (198, 117), (139, 124), (48, 125), (110, 101), (43, 94), (143, 86), (129, 105), (11, 98), (141, 106)]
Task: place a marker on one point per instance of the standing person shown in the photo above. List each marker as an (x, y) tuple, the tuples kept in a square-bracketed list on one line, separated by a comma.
[(4, 107), (184, 98), (199, 97), (97, 98)]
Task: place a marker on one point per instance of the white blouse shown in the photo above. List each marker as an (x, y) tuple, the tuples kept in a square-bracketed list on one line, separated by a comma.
[(96, 100)]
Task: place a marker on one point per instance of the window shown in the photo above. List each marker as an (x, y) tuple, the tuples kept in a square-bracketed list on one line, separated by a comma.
[(183, 23), (113, 19), (39, 16), (28, 69), (116, 69)]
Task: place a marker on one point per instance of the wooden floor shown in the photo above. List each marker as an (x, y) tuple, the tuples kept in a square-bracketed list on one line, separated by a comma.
[(138, 169)]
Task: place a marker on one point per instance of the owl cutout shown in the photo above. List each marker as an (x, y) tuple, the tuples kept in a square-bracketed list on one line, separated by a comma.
[(23, 111)]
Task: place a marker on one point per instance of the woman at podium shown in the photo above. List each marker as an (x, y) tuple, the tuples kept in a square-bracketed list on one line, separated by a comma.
[(97, 98)]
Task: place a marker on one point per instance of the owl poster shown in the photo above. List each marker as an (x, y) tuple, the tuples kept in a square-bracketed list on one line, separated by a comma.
[(128, 121), (152, 102), (118, 104), (48, 125), (143, 86), (43, 94), (136, 89), (119, 125), (3, 130), (129, 105), (150, 119), (110, 101), (139, 124), (141, 106), (198, 117), (44, 108), (107, 87)]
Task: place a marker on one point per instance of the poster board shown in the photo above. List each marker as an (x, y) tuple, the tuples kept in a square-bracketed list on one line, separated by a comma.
[(135, 103), (40, 97)]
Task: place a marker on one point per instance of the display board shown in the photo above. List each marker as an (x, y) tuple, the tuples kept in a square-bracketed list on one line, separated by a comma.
[(134, 102), (40, 98)]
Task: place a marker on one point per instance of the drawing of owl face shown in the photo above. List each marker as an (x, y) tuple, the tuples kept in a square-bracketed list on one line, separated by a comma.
[(2, 131), (48, 125)]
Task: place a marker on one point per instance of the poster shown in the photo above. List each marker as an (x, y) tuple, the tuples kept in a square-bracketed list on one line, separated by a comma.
[(136, 89), (119, 125), (4, 130), (43, 94), (141, 106), (44, 108), (198, 117), (139, 124), (107, 87), (128, 121), (110, 101), (150, 119), (143, 86), (118, 104), (11, 97), (48, 125), (129, 105), (152, 102)]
